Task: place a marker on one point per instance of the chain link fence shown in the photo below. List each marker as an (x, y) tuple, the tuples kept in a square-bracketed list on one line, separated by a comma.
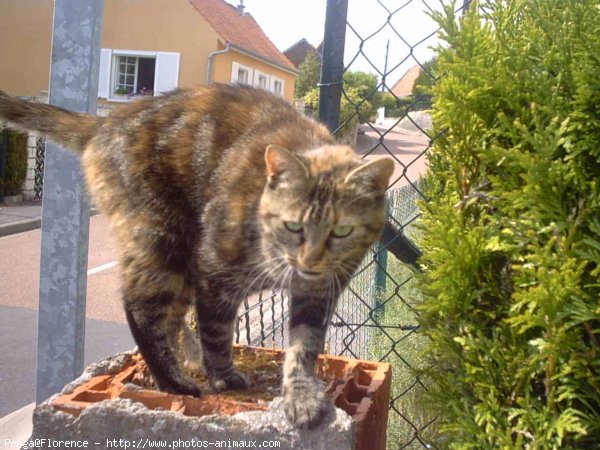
[(376, 317)]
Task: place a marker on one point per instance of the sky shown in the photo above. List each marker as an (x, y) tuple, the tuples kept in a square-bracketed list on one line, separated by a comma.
[(287, 21)]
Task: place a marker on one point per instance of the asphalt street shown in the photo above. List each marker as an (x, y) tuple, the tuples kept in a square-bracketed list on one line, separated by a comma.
[(106, 331)]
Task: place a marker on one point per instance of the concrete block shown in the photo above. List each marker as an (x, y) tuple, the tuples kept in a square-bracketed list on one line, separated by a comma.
[(110, 407)]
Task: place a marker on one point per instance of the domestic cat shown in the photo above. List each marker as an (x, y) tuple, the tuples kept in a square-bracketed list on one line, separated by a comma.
[(214, 194)]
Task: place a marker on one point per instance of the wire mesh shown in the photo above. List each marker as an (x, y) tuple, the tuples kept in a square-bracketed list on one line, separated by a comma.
[(376, 316)]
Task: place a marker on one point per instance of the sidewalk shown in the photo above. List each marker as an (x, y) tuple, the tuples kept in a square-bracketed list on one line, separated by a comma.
[(17, 219), (21, 218)]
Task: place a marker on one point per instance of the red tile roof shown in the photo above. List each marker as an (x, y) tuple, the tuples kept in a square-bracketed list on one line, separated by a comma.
[(241, 31), (405, 85)]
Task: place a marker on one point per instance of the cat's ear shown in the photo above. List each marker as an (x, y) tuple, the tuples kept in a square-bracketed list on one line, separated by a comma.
[(284, 165), (375, 173)]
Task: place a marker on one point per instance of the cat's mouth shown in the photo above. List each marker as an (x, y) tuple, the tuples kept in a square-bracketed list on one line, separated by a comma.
[(310, 274)]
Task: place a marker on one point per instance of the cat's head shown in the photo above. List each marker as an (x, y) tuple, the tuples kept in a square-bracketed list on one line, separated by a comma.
[(321, 210)]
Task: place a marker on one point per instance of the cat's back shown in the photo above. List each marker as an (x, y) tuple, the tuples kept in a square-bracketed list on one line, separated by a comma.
[(190, 143)]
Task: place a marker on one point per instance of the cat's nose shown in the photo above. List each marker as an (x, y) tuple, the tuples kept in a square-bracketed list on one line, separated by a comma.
[(311, 256)]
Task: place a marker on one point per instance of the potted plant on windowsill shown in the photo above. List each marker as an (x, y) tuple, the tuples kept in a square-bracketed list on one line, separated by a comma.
[(122, 92)]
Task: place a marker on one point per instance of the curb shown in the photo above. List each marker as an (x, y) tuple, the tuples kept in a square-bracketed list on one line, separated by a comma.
[(21, 226), (17, 426)]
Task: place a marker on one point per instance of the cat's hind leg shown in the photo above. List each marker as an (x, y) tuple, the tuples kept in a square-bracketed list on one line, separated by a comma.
[(217, 314), (151, 330), (156, 298)]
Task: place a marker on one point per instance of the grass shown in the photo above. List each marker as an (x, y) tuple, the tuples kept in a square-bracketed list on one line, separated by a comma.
[(410, 423)]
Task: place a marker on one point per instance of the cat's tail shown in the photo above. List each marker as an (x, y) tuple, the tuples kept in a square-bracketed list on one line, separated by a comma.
[(73, 130)]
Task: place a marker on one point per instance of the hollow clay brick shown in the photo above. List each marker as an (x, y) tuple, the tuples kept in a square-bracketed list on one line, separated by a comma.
[(360, 388)]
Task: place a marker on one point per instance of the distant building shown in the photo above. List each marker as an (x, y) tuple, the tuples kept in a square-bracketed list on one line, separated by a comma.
[(297, 53), (404, 87)]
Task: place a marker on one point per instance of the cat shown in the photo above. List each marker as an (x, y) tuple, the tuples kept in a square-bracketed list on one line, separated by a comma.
[(214, 194)]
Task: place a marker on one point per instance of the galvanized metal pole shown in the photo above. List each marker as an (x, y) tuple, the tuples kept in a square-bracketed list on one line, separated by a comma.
[(65, 216), (332, 70)]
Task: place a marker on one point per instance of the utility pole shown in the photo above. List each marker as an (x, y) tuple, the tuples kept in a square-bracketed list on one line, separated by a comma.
[(387, 51)]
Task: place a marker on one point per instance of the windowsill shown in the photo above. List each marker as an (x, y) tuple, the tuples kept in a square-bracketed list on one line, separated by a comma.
[(117, 99)]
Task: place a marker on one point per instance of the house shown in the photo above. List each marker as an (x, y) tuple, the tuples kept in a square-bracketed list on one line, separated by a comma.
[(297, 53), (405, 85), (148, 47)]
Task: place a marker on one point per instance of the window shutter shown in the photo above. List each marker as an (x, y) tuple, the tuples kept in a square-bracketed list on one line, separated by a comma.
[(166, 73), (235, 67), (104, 73)]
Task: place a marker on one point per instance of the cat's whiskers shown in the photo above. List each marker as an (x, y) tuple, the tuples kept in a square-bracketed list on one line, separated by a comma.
[(262, 273)]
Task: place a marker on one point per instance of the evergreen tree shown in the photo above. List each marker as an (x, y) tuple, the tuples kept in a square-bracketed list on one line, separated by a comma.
[(511, 238)]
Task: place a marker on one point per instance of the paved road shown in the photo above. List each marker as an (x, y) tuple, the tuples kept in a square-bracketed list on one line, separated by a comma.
[(106, 332), (20, 267), (407, 148)]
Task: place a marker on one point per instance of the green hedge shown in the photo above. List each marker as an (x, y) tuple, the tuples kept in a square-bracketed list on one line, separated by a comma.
[(16, 163), (512, 234)]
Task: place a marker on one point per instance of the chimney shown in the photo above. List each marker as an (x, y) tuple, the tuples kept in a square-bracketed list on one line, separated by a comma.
[(240, 7)]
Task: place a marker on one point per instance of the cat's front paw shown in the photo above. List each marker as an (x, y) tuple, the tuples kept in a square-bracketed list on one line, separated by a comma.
[(304, 402), (231, 381)]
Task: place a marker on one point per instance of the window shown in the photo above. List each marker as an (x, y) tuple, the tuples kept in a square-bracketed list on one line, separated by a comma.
[(241, 74), (261, 80), (134, 75), (277, 86), (128, 73)]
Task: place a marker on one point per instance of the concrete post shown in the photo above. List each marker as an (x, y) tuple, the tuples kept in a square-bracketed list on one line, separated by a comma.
[(65, 215)]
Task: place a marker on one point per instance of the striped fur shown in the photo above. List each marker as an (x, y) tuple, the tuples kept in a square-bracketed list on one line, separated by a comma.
[(202, 188)]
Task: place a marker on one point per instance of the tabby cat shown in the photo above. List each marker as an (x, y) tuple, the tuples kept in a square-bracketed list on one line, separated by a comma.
[(215, 194)]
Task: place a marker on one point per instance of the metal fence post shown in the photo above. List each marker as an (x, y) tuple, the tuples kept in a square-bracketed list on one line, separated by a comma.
[(381, 260), (65, 216), (332, 70)]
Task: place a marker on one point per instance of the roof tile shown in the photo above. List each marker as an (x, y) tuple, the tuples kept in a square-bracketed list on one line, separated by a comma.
[(240, 30)]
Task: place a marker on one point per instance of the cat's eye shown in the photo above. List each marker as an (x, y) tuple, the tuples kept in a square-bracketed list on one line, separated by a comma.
[(341, 231), (294, 227)]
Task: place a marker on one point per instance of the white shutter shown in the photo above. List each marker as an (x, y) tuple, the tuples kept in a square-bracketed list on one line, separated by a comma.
[(104, 73), (166, 73), (235, 69)]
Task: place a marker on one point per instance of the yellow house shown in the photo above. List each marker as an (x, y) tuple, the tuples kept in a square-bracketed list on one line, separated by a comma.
[(148, 47)]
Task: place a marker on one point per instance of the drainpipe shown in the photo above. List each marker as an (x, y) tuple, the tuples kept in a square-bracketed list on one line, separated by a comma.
[(209, 66)]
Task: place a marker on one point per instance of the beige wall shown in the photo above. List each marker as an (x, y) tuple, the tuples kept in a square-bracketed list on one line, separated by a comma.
[(151, 25), (222, 70), (161, 25), (25, 42)]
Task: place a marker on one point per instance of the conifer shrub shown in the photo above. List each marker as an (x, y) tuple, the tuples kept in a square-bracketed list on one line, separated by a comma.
[(16, 163), (511, 236)]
